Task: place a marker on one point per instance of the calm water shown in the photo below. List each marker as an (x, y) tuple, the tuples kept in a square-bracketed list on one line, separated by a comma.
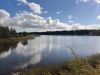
[(45, 50)]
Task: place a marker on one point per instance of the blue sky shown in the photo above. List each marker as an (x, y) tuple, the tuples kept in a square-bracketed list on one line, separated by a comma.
[(84, 12)]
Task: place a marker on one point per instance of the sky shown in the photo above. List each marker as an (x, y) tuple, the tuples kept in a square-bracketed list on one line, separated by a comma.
[(44, 15)]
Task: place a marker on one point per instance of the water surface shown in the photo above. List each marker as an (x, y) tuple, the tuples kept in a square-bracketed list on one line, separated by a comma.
[(45, 50)]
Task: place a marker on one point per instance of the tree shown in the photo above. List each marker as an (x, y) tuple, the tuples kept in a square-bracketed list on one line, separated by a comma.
[(5, 32)]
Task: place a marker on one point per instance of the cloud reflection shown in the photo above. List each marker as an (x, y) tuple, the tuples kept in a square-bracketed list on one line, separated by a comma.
[(47, 49)]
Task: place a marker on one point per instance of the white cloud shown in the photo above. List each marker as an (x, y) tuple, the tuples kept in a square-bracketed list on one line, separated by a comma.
[(71, 17), (59, 12), (78, 1), (71, 21), (4, 14), (45, 12), (31, 22), (85, 1), (97, 1), (36, 8), (98, 17), (23, 1)]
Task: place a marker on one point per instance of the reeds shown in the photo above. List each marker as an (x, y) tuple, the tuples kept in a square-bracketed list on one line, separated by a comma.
[(89, 65)]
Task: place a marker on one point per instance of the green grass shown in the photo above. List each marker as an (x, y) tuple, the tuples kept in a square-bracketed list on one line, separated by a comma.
[(77, 66)]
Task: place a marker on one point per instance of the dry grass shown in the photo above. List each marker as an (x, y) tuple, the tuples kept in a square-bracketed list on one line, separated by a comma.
[(80, 66)]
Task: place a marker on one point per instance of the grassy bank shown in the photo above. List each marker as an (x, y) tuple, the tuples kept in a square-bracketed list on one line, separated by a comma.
[(7, 40), (77, 66), (7, 43)]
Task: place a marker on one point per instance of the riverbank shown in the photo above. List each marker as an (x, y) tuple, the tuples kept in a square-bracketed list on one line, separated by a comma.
[(6, 40), (77, 66)]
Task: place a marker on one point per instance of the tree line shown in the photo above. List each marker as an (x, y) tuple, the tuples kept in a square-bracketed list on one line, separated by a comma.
[(71, 32), (6, 32)]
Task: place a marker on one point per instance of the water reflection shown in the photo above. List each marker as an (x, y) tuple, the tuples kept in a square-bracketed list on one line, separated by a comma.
[(24, 42), (45, 50), (6, 54), (7, 46)]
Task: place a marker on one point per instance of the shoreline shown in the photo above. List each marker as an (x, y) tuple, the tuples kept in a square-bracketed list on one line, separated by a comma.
[(77, 66), (15, 39)]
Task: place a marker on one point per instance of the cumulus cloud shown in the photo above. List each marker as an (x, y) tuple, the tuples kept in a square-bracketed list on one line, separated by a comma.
[(3, 15), (31, 22), (98, 17), (36, 8)]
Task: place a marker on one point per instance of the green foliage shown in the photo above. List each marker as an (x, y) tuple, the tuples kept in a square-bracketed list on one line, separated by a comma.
[(12, 32), (23, 33), (5, 32)]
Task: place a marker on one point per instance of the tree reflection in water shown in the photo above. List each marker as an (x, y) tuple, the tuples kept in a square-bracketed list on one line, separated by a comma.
[(5, 46), (24, 42)]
